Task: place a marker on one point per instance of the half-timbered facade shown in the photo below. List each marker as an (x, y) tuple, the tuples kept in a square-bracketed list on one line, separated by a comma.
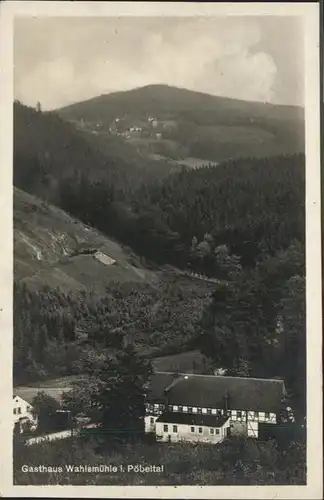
[(244, 401)]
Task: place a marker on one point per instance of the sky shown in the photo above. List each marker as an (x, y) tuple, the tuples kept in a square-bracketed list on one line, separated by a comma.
[(59, 61)]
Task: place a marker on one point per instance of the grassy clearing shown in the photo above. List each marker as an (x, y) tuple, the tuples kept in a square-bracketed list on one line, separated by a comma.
[(45, 238)]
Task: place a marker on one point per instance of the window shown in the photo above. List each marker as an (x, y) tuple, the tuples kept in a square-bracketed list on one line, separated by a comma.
[(180, 408), (189, 409), (267, 415), (199, 411), (15, 411), (165, 428), (200, 430), (239, 414), (194, 410), (152, 420), (175, 408), (19, 409), (256, 414), (175, 428), (217, 431), (209, 411), (185, 409), (192, 429), (204, 410), (211, 431)]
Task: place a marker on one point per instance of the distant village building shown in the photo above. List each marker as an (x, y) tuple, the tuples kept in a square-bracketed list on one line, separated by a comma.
[(208, 407), (104, 259), (23, 415)]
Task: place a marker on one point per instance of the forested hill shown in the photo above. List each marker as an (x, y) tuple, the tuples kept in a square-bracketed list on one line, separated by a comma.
[(253, 206), (47, 149), (196, 124)]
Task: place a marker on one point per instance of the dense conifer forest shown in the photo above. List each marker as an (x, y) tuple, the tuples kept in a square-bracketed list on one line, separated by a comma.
[(253, 206)]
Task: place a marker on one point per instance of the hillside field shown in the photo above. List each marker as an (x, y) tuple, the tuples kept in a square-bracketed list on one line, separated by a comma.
[(50, 246)]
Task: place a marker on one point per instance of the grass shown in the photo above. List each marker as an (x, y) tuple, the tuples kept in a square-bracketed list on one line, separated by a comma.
[(45, 238), (183, 463), (190, 361)]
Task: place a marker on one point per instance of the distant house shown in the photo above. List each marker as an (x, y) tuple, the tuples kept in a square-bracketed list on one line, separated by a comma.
[(243, 402), (104, 259), (23, 416)]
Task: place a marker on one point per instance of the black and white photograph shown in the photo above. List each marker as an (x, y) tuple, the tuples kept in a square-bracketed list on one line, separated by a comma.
[(161, 179)]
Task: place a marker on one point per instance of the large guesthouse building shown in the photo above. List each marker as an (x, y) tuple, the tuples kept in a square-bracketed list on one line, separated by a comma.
[(190, 407)]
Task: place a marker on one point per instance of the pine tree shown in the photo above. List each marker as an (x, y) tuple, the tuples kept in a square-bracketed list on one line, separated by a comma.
[(113, 392)]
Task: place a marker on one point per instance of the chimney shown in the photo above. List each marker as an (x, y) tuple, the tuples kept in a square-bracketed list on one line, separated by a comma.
[(166, 399), (226, 401)]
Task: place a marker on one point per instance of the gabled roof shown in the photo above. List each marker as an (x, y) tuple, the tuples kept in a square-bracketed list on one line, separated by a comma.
[(211, 391), (192, 419)]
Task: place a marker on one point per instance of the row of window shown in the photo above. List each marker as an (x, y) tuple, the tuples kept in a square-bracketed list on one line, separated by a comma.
[(209, 411), (192, 429), (17, 411)]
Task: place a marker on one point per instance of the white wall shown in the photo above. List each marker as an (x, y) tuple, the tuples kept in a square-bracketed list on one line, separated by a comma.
[(22, 410), (253, 429), (184, 433), (149, 421)]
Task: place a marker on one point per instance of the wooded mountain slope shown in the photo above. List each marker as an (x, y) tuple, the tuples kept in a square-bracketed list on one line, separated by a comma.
[(47, 149), (204, 126)]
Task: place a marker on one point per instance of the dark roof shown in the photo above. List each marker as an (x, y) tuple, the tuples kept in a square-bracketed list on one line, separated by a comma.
[(192, 419), (157, 385), (209, 391)]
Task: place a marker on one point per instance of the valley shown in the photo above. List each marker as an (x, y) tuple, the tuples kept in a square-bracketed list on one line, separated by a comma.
[(155, 231)]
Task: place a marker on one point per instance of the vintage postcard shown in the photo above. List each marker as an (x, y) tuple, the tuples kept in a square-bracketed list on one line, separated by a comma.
[(161, 330)]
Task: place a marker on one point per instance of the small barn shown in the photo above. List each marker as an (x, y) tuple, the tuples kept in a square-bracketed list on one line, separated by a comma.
[(104, 259)]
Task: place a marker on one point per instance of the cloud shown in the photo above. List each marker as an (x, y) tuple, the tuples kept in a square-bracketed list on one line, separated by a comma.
[(59, 61)]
